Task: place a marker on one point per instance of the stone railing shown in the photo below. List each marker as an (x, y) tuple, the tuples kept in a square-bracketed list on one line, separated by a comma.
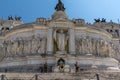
[(60, 76)]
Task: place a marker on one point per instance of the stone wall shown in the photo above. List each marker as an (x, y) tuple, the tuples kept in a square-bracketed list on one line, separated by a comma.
[(63, 76), (24, 46), (91, 43)]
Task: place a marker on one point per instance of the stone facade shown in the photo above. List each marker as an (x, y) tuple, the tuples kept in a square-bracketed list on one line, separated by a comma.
[(59, 45)]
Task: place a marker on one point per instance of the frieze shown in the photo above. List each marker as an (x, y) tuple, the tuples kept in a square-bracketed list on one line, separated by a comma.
[(22, 46), (12, 32), (61, 24), (96, 47), (94, 31)]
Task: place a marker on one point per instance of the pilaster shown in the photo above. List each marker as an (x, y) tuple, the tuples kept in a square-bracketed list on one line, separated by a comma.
[(71, 41), (50, 41)]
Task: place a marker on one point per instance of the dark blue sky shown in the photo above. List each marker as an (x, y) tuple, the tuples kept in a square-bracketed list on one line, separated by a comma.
[(29, 10)]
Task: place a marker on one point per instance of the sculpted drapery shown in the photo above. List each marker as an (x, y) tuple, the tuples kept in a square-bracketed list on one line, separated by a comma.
[(22, 46), (61, 39), (97, 47)]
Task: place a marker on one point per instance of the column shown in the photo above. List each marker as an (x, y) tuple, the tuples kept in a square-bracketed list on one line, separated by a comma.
[(50, 41), (119, 32), (71, 41)]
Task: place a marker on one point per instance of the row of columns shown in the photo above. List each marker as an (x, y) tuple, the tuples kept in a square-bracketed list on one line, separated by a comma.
[(50, 41)]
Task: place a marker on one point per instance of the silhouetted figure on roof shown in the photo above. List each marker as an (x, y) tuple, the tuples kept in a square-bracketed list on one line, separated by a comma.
[(17, 18), (60, 6), (97, 20), (10, 18), (103, 20)]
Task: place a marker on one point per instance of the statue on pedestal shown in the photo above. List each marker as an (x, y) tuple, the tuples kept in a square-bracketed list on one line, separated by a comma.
[(60, 6), (61, 40)]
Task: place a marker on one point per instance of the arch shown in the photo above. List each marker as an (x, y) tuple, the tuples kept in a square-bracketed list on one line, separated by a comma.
[(60, 61)]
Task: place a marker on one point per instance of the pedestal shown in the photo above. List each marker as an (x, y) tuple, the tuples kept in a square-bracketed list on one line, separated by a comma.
[(61, 52)]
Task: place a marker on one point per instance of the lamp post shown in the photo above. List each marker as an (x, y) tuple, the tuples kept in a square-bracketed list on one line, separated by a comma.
[(97, 76), (36, 77)]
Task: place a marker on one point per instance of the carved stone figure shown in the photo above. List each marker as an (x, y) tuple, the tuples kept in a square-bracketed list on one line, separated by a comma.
[(43, 45), (5, 48), (87, 46), (90, 46), (8, 52), (79, 45), (61, 39), (20, 47), (14, 48), (84, 45), (1, 52), (101, 46), (26, 47), (34, 46), (93, 46), (40, 44), (97, 47), (39, 50)]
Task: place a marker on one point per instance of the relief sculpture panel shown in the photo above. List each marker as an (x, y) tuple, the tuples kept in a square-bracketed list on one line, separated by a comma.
[(97, 47), (24, 46)]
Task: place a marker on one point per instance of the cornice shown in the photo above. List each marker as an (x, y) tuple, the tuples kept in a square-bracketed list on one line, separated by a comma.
[(21, 30), (85, 28)]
